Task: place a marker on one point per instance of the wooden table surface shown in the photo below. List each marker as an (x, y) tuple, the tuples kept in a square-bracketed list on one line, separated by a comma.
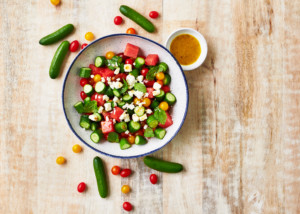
[(240, 143)]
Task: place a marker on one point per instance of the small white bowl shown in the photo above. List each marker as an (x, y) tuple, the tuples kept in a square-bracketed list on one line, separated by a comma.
[(200, 39)]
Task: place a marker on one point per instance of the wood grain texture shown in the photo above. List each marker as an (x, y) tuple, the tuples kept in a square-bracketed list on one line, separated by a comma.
[(240, 143)]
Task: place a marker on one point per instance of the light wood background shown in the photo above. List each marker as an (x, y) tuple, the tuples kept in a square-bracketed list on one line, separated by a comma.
[(240, 144)]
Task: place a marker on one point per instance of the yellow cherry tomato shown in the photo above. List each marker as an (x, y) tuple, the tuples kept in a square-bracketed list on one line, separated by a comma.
[(130, 31), (147, 102), (97, 78), (60, 160), (125, 189), (89, 36), (55, 2), (160, 76), (131, 139), (109, 55), (76, 148), (160, 82), (164, 106), (135, 100)]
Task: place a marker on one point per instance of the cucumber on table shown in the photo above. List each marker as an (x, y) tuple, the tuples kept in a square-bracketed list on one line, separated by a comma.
[(100, 177), (96, 136), (58, 59), (134, 126), (57, 35), (137, 18), (124, 144), (162, 166), (85, 122)]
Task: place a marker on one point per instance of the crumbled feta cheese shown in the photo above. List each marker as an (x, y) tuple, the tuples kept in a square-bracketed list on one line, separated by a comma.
[(117, 71), (140, 78), (92, 76), (107, 106), (156, 86), (137, 102), (131, 93), (145, 126), (107, 118), (93, 117), (118, 80), (148, 111), (127, 67), (118, 85), (144, 117), (126, 132), (105, 97), (146, 95), (122, 116), (130, 106), (155, 93), (108, 79), (138, 94), (135, 118), (116, 99), (114, 121), (100, 110), (102, 79), (130, 80), (141, 104), (127, 118)]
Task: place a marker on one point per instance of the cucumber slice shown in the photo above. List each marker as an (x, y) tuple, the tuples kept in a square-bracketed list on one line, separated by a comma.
[(100, 87), (170, 98), (100, 61), (140, 140), (116, 92), (163, 67), (113, 137), (94, 126), (79, 107), (154, 104), (124, 144), (167, 79), (85, 122), (152, 122), (160, 96), (109, 92), (85, 72), (139, 62), (87, 99), (127, 98), (134, 126), (121, 127), (88, 89), (96, 136), (135, 72), (139, 110), (121, 104), (160, 133)]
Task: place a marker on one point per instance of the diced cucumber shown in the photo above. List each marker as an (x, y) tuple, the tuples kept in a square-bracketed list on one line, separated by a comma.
[(109, 92), (96, 136), (163, 67), (121, 104), (100, 61), (117, 59), (139, 110), (116, 92), (79, 107), (134, 126), (160, 96), (148, 132), (94, 126), (139, 62), (85, 122), (85, 72), (87, 99), (135, 72), (127, 98), (152, 122), (170, 98), (113, 137), (154, 104), (140, 140), (88, 89), (121, 127), (100, 87), (124, 144), (159, 133), (167, 79)]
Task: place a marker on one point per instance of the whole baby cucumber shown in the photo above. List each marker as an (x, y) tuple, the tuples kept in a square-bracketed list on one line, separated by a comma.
[(100, 177), (57, 35), (58, 59), (162, 166)]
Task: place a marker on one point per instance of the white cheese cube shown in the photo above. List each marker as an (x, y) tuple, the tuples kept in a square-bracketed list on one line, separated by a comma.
[(107, 106), (100, 110), (102, 79), (117, 71), (131, 93), (130, 106), (93, 117), (156, 86), (130, 80), (146, 95), (126, 132), (140, 78), (148, 111), (135, 118), (116, 99), (105, 97), (118, 85), (114, 121), (92, 76), (139, 94), (157, 92), (127, 118), (107, 118), (145, 126), (144, 117), (108, 79), (127, 67)]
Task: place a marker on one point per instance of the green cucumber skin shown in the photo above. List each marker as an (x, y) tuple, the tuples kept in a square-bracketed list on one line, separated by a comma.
[(57, 35), (137, 18), (58, 59), (162, 166), (100, 177)]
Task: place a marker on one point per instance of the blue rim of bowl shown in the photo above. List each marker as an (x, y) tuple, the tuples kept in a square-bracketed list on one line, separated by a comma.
[(115, 156)]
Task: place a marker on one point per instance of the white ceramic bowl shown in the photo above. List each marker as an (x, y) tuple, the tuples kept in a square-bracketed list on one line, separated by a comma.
[(201, 40), (116, 43)]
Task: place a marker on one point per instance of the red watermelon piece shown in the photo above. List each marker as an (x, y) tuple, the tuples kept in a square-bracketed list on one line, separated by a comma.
[(151, 59), (104, 72), (168, 123), (116, 113), (150, 92), (107, 126), (131, 50)]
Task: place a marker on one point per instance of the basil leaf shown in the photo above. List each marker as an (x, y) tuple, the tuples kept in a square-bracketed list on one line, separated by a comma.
[(125, 87), (160, 115), (90, 107), (148, 132), (151, 73), (140, 87)]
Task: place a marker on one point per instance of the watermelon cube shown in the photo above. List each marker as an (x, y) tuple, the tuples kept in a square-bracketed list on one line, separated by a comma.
[(151, 59), (116, 113), (150, 92), (131, 50), (168, 123), (107, 126)]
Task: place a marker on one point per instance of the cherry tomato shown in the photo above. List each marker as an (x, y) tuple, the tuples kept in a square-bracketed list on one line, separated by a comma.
[(153, 178), (118, 20), (109, 55), (83, 82), (125, 189), (166, 88), (130, 31), (55, 2), (129, 61), (91, 81), (76, 148), (160, 76), (140, 132), (149, 83), (83, 95), (135, 100), (164, 105), (83, 45), (144, 71), (74, 46), (115, 170), (81, 187), (153, 14), (125, 173), (147, 102), (89, 36), (131, 139), (122, 55), (60, 160), (127, 206), (97, 78), (160, 82)]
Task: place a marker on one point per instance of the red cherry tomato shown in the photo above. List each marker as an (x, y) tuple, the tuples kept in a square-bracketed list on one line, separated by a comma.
[(122, 55), (125, 172), (143, 57), (83, 45), (81, 187), (127, 206), (83, 95), (149, 83), (153, 178), (115, 170), (153, 14), (166, 88), (130, 31), (118, 20), (129, 61), (139, 132), (144, 71), (74, 46), (83, 82), (91, 81), (123, 135)]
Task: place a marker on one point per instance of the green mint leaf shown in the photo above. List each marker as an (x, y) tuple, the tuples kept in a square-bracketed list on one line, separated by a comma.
[(125, 87), (160, 115), (148, 132), (151, 73), (90, 107), (140, 87)]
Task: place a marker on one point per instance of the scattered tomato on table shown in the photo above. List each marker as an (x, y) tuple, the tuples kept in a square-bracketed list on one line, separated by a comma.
[(127, 206), (125, 189), (130, 31), (76, 148), (60, 160), (153, 14), (81, 187), (74, 46), (115, 170), (118, 20), (83, 45), (153, 178), (89, 36), (55, 2), (125, 173)]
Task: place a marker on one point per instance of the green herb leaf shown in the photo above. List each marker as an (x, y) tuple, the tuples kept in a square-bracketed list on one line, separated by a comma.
[(151, 73), (113, 137), (90, 107), (148, 132), (160, 115), (140, 87), (125, 87)]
